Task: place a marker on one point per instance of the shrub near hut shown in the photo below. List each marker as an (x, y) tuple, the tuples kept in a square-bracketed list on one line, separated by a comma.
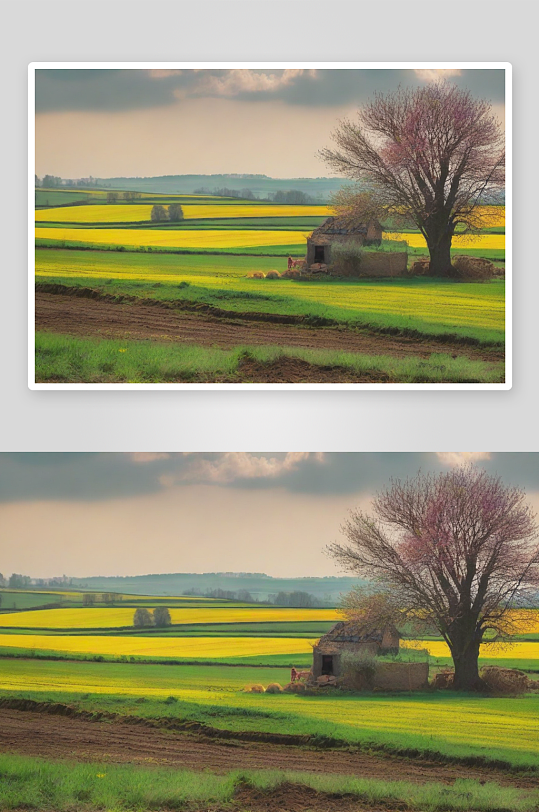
[(346, 258), (358, 670)]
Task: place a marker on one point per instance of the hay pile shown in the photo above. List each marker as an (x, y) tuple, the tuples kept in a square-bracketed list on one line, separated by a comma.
[(273, 275), (293, 273), (274, 688), (496, 680), (504, 680), (295, 688), (254, 689), (472, 269), (255, 275), (463, 269)]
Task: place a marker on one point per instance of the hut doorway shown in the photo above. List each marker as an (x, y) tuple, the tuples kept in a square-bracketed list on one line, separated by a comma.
[(319, 253), (327, 664)]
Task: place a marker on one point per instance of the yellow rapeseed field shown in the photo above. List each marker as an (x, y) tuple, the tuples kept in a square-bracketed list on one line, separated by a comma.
[(492, 216), (222, 647), (483, 241), (514, 651), (117, 616), (189, 647), (142, 212), (172, 238)]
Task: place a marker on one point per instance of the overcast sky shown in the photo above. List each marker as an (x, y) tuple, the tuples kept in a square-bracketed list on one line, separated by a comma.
[(130, 514), (108, 123)]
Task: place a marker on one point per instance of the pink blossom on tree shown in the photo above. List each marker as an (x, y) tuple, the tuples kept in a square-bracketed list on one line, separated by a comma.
[(458, 550), (428, 155)]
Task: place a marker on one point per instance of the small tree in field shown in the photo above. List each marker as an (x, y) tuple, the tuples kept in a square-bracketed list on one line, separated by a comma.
[(428, 155), (457, 551), (142, 618), (374, 609), (88, 599), (112, 197), (159, 214), (161, 616), (175, 212)]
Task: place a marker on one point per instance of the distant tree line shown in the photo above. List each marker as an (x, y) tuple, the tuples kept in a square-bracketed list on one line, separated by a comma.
[(302, 600), (295, 599), (17, 581), (293, 197), (53, 182), (114, 197), (108, 598)]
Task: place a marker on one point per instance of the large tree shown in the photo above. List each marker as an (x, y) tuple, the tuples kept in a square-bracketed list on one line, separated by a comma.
[(430, 155), (458, 551)]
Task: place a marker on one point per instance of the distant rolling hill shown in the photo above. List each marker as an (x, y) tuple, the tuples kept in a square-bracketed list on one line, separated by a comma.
[(259, 185), (258, 584)]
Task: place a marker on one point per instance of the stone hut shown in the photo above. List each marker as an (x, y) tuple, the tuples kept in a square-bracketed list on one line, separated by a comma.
[(334, 230), (348, 636)]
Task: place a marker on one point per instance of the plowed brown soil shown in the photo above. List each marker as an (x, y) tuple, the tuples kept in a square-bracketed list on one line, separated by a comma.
[(101, 317), (293, 798), (61, 737)]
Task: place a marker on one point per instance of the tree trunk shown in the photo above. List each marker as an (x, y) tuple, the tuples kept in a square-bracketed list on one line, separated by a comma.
[(440, 255), (467, 668)]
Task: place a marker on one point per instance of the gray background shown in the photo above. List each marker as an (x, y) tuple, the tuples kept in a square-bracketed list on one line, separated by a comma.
[(258, 30)]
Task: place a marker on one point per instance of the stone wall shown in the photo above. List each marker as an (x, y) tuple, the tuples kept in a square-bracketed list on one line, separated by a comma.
[(383, 263), (401, 676), (389, 676)]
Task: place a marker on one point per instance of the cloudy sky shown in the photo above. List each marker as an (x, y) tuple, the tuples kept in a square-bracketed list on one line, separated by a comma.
[(110, 123), (85, 514)]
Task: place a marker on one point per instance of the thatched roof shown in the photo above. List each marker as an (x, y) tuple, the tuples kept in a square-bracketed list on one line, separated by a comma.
[(350, 632), (335, 226)]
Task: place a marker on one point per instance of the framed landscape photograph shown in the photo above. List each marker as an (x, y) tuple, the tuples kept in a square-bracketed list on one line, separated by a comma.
[(224, 225)]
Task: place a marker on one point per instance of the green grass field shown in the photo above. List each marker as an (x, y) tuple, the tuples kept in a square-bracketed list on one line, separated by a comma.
[(451, 725), (428, 306), (14, 599), (92, 360), (39, 784)]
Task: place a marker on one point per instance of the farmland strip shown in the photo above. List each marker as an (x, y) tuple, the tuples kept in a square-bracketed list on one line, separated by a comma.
[(83, 311), (54, 730)]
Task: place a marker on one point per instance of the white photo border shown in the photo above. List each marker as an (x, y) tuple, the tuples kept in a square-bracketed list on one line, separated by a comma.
[(505, 66)]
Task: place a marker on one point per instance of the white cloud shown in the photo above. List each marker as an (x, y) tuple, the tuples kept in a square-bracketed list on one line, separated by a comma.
[(148, 456), (455, 458), (230, 467), (234, 82), (434, 75)]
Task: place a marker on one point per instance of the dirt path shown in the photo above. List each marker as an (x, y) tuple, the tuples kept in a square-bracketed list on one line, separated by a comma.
[(80, 316), (60, 737)]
